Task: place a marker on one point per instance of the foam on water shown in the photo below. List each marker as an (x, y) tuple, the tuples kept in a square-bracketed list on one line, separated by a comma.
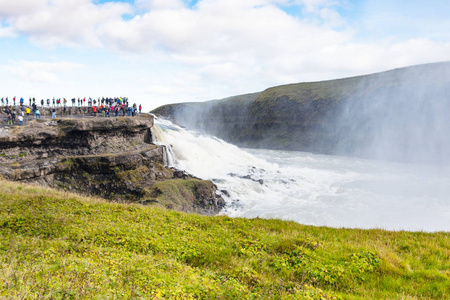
[(313, 189)]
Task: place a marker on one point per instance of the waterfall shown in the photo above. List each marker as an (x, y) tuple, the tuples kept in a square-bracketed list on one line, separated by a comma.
[(204, 156), (169, 158), (312, 189)]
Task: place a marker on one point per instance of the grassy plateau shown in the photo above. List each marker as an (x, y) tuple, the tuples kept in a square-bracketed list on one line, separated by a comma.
[(56, 245)]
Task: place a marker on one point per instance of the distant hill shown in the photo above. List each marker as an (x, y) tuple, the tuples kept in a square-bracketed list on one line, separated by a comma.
[(401, 114)]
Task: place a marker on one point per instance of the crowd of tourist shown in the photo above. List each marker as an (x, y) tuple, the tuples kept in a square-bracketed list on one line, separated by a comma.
[(105, 107)]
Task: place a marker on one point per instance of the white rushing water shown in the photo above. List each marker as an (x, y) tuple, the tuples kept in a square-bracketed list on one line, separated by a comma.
[(314, 189)]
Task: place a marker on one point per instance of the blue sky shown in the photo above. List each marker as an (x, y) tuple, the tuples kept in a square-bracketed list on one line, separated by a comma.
[(164, 51)]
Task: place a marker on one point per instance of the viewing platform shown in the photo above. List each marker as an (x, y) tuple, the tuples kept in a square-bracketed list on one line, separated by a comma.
[(60, 112)]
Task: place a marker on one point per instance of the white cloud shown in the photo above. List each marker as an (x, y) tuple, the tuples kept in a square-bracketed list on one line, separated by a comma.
[(254, 43), (37, 71), (225, 46), (332, 17), (61, 22), (159, 4), (7, 32), (10, 8)]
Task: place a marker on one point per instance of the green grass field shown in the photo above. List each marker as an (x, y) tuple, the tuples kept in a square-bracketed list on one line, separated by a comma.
[(56, 245)]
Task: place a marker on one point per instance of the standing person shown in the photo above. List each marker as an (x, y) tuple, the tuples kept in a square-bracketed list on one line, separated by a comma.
[(42, 102), (20, 120), (21, 101), (6, 101), (13, 116), (27, 111), (14, 101), (9, 119), (38, 113), (53, 113), (29, 101), (94, 110), (140, 108)]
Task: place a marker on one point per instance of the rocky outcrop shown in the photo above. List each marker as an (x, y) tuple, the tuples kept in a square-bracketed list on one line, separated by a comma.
[(108, 157), (198, 195), (68, 137), (70, 111)]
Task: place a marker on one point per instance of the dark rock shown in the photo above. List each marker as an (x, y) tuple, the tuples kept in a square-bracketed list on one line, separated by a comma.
[(225, 192), (180, 174)]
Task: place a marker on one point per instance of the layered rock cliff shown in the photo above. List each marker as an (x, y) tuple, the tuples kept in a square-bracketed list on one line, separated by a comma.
[(110, 157)]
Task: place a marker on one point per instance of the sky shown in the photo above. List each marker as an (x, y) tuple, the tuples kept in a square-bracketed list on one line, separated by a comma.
[(158, 52)]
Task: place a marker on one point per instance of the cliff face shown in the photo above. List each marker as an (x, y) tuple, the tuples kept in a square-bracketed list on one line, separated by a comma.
[(231, 119), (109, 157), (68, 137), (395, 115)]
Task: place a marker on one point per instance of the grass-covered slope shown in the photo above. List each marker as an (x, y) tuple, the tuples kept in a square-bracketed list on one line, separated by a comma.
[(55, 245)]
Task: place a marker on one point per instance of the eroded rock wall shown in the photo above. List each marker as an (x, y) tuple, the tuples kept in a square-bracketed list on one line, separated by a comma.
[(108, 157)]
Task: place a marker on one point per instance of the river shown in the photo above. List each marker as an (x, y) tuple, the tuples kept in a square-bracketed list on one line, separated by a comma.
[(313, 189)]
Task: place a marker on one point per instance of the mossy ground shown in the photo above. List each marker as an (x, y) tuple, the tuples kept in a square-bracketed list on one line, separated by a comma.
[(56, 245), (180, 194)]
